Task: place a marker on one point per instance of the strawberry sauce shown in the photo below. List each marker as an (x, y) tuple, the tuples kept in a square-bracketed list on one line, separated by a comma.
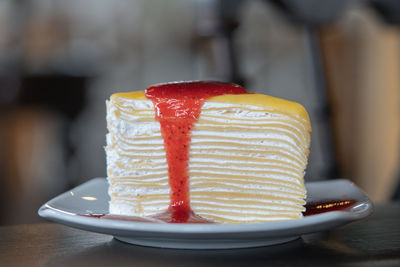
[(325, 206), (177, 106)]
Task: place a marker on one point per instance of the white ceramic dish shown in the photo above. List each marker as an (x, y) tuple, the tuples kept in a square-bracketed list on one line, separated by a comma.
[(91, 198)]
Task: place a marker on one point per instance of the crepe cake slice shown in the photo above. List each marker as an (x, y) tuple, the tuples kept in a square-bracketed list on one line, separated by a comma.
[(206, 152)]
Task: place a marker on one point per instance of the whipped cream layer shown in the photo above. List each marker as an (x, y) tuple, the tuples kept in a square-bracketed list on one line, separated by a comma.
[(246, 161)]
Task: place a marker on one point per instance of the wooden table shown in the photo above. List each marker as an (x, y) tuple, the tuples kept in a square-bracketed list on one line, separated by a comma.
[(374, 241)]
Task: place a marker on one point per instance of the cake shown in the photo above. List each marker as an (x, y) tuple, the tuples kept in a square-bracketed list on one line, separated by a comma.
[(206, 152)]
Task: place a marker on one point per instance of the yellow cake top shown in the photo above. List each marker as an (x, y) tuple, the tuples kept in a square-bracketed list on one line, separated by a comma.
[(266, 101)]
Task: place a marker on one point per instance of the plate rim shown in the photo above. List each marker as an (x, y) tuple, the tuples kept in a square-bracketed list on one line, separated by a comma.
[(308, 224)]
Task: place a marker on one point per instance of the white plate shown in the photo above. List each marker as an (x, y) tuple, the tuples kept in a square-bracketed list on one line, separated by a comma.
[(91, 197)]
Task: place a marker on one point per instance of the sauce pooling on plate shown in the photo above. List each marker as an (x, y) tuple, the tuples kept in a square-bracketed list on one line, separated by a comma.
[(332, 205), (177, 107)]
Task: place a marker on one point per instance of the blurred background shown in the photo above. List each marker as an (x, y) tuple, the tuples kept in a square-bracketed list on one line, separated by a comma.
[(60, 60)]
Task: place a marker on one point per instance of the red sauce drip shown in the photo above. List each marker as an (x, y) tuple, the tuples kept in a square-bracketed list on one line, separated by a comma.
[(332, 205), (177, 107)]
